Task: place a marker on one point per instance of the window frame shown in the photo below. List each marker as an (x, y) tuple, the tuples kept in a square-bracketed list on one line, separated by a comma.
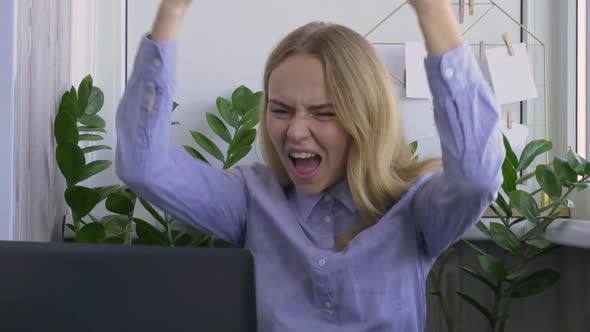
[(8, 30), (99, 48), (583, 90)]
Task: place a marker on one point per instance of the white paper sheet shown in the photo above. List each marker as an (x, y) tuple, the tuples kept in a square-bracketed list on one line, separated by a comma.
[(416, 80), (393, 56), (517, 135), (417, 115), (512, 76)]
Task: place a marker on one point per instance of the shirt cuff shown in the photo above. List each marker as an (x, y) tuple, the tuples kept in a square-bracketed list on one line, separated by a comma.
[(156, 60), (453, 71)]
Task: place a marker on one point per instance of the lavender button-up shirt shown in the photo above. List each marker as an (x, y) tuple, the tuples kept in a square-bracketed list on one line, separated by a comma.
[(377, 283)]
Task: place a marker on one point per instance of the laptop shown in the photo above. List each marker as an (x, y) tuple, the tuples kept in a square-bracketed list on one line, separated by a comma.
[(66, 287)]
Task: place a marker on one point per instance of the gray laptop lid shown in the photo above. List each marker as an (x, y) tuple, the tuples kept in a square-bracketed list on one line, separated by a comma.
[(82, 287)]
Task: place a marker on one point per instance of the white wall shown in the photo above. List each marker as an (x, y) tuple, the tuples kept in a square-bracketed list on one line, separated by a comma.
[(7, 83)]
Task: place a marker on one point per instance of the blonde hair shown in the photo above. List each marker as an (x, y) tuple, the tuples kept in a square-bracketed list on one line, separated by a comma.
[(380, 168)]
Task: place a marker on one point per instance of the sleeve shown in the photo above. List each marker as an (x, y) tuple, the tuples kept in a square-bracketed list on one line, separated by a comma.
[(166, 175), (467, 119)]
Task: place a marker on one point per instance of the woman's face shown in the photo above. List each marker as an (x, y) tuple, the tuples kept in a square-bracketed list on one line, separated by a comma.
[(303, 127)]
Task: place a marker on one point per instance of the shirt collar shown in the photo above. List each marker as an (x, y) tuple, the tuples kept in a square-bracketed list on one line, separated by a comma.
[(340, 191)]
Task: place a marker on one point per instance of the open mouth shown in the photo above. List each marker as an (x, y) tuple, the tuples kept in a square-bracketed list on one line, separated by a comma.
[(305, 164)]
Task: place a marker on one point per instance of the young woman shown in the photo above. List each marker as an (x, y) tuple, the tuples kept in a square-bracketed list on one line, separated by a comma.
[(343, 224)]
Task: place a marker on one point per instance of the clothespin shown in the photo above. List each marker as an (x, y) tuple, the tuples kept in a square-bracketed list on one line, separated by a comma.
[(509, 119), (508, 42), (461, 11), (482, 49), (471, 7)]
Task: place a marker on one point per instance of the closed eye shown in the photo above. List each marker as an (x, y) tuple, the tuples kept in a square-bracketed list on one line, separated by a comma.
[(279, 111)]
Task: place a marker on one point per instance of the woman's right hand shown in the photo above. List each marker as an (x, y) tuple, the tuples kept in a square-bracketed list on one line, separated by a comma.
[(169, 18)]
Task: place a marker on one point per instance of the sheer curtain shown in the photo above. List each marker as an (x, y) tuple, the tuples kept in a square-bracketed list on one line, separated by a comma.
[(43, 74)]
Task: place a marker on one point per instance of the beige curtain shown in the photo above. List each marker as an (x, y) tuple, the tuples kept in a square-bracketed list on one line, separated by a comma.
[(43, 73)]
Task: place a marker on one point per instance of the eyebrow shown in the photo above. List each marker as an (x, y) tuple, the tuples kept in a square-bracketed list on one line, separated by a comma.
[(311, 108)]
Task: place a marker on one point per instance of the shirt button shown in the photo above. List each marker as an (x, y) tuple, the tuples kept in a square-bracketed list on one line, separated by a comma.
[(329, 199), (321, 262), (157, 63), (328, 219), (328, 305), (449, 72)]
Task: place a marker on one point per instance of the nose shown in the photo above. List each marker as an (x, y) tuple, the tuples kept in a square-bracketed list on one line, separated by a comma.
[(298, 127)]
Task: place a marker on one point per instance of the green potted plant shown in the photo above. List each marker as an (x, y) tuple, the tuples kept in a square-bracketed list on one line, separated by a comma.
[(78, 121), (511, 275)]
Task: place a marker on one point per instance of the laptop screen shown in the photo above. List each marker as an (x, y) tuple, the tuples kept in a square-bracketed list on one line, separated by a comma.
[(84, 287)]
